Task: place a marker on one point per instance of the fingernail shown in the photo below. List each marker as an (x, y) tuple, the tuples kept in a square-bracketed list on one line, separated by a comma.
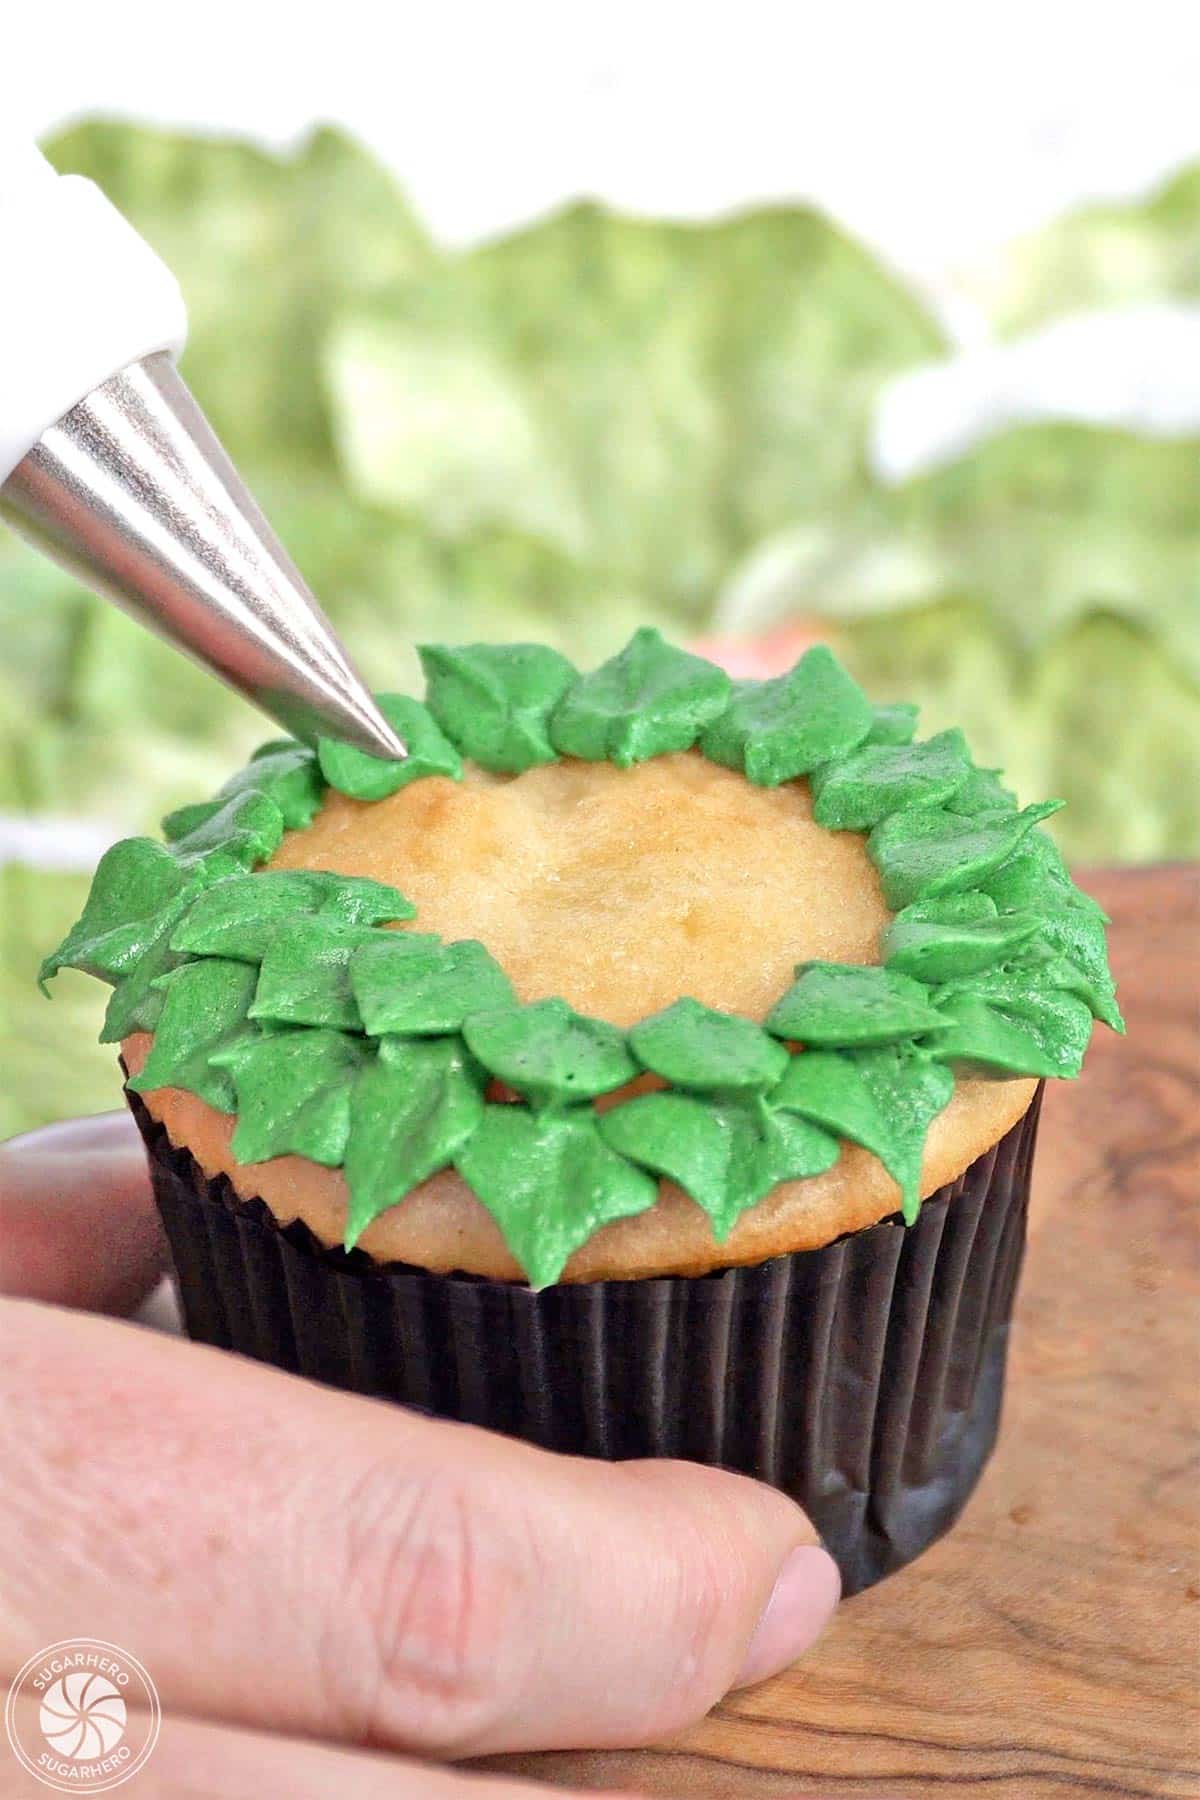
[(802, 1603), (98, 1132)]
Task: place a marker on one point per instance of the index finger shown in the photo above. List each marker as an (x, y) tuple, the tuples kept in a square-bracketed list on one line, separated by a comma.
[(78, 1225)]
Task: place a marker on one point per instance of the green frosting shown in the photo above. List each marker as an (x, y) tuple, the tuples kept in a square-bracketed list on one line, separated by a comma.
[(982, 791), (245, 830), (648, 699), (412, 1110), (895, 724), (998, 1040), (933, 941), (775, 730), (1056, 1020), (243, 915), (1077, 938), (304, 977), (910, 1088), (693, 1047), (550, 1053), (138, 888), (724, 1154), (832, 1004), (550, 1180), (882, 1099), (922, 851), (827, 1087), (494, 701), (205, 1010), (413, 984), (293, 1092), (286, 773), (861, 789), (366, 777), (139, 894), (288, 998)]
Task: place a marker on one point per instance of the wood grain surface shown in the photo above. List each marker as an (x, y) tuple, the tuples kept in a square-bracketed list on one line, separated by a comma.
[(1049, 1647)]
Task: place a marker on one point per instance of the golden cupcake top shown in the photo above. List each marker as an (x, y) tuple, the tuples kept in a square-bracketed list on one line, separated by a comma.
[(616, 890), (633, 972)]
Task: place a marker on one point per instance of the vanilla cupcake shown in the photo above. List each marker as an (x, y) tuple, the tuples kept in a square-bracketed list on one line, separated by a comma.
[(648, 1065)]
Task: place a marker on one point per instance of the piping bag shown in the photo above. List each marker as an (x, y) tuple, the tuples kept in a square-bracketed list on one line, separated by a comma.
[(109, 466)]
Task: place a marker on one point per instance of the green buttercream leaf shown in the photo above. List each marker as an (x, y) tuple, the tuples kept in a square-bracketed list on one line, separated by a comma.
[(857, 791), (943, 950), (648, 699), (411, 1111), (1034, 876), (304, 978), (274, 745), (971, 908), (980, 1034), (243, 832), (896, 724), (136, 1001), (776, 730), (982, 791), (205, 1009), (726, 1155), (700, 1146), (135, 884), (424, 989), (1077, 936), (366, 777), (241, 915), (840, 1005), (186, 819), (494, 701), (828, 1088), (926, 851), (794, 1147), (358, 900), (1059, 1022), (286, 773), (293, 1093), (909, 1090), (693, 1047), (549, 1052), (550, 1182), (139, 893)]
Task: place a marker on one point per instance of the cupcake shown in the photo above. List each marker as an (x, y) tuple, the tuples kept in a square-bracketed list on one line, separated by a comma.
[(647, 1065)]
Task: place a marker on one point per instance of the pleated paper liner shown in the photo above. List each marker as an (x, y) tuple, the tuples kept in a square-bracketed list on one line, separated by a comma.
[(865, 1378)]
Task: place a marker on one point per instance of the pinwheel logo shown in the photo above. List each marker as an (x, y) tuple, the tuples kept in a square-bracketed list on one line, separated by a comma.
[(82, 1716)]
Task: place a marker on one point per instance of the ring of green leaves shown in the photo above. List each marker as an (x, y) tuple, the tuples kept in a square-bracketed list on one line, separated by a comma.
[(281, 996)]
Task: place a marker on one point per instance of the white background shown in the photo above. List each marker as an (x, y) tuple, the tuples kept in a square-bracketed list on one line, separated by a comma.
[(934, 128)]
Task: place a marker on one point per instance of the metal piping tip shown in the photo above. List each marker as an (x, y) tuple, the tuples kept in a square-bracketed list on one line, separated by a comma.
[(132, 492)]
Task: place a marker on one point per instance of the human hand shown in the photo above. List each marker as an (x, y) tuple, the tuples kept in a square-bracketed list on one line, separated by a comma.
[(285, 1558)]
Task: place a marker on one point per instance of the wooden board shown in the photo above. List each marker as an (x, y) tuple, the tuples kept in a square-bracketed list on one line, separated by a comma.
[(1049, 1648)]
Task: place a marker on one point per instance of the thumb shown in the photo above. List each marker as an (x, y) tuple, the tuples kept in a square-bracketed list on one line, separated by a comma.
[(77, 1220), (697, 1581), (316, 1563)]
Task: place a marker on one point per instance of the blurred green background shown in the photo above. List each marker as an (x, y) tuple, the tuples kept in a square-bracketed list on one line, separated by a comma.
[(593, 423)]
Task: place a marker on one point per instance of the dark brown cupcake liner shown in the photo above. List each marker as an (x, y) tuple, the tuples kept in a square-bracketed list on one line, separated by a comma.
[(865, 1379)]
